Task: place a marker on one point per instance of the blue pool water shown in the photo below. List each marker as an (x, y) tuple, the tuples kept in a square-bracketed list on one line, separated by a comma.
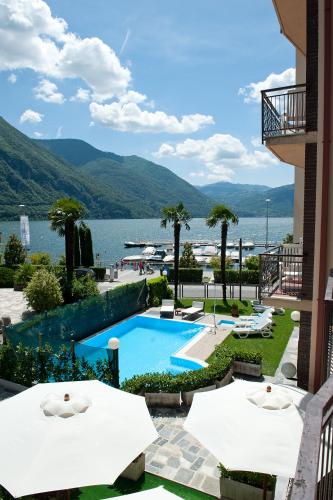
[(146, 345), (226, 322)]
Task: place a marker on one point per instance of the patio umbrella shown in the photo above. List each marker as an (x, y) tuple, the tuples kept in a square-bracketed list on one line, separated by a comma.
[(250, 426), (156, 493), (65, 435)]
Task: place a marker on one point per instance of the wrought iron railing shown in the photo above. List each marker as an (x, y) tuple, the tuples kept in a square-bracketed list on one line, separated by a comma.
[(280, 271), (314, 473), (283, 111)]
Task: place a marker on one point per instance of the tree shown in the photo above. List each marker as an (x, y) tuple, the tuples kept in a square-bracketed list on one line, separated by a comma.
[(188, 260), (87, 254), (40, 259), (176, 216), (84, 287), (14, 251), (252, 262), (63, 215), (77, 254), (215, 262), (220, 214), (43, 292), (289, 238)]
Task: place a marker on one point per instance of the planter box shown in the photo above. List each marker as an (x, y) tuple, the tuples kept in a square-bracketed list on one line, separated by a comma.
[(187, 396), (135, 469), (225, 381), (247, 368), (163, 399), (239, 491)]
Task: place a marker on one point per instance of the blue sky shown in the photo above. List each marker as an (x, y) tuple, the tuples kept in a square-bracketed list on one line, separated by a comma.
[(156, 79)]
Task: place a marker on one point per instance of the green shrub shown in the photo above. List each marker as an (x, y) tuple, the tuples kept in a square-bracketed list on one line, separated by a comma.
[(249, 277), (191, 275), (14, 251), (6, 277), (99, 272), (40, 259), (23, 276), (251, 478), (44, 291), (252, 262), (188, 260), (215, 262), (158, 289), (191, 380), (84, 287)]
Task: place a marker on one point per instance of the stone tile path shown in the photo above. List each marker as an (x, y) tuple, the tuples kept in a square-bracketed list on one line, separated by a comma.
[(12, 304), (176, 455)]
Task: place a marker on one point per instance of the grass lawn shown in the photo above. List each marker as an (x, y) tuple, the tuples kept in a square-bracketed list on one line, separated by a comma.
[(124, 487), (271, 348), (244, 306)]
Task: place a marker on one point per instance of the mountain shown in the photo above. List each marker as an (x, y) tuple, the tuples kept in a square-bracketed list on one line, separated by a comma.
[(36, 176), (146, 186), (249, 200)]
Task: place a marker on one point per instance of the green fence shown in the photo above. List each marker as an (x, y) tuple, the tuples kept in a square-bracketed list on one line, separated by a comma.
[(79, 320)]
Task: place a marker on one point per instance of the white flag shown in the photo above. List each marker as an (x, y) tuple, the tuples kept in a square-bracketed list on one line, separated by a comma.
[(25, 231)]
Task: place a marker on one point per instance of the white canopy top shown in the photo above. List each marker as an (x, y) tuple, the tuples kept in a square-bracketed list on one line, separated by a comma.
[(49, 444), (234, 424), (156, 493)]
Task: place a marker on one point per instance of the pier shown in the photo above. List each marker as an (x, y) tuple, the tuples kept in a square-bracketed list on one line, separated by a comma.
[(199, 243)]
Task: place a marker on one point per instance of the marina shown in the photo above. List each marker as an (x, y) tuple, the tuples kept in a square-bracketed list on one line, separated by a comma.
[(247, 245)]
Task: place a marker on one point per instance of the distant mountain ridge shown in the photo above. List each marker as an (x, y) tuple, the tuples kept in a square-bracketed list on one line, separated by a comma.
[(249, 200)]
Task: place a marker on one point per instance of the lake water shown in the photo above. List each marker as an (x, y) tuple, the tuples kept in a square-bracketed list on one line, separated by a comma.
[(109, 235)]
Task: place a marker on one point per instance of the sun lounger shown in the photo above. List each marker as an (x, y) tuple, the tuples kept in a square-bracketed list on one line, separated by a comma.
[(263, 328), (255, 317), (197, 308), (167, 308)]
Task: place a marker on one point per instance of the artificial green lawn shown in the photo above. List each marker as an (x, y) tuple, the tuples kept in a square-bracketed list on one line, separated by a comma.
[(147, 482), (271, 348)]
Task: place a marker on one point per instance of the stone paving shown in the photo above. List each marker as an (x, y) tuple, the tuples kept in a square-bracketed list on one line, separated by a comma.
[(12, 304), (176, 455)]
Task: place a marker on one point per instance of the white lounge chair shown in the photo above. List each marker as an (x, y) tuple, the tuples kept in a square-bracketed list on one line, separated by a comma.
[(263, 327), (167, 308), (197, 308)]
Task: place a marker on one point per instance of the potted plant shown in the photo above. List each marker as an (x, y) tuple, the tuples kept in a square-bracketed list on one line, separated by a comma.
[(196, 381), (234, 310), (245, 485), (161, 390), (247, 362)]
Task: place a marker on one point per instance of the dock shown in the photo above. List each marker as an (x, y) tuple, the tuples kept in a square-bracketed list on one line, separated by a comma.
[(160, 243)]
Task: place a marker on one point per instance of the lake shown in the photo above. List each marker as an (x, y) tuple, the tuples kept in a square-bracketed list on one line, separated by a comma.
[(109, 235)]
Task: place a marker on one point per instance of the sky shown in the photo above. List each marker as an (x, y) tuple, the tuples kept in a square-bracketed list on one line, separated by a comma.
[(175, 82)]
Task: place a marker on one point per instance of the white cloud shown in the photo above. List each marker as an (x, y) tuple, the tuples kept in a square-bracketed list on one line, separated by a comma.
[(256, 142), (59, 132), (12, 78), (222, 154), (252, 92), (129, 117), (48, 91), (82, 95), (38, 135), (31, 116), (31, 37)]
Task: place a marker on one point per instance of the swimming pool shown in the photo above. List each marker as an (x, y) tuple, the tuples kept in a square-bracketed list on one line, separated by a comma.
[(146, 345), (226, 322)]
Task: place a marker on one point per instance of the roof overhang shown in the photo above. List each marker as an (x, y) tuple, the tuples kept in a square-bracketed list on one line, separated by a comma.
[(292, 18)]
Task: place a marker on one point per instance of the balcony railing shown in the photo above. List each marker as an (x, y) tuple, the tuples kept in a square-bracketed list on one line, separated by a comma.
[(314, 474), (283, 111), (280, 271)]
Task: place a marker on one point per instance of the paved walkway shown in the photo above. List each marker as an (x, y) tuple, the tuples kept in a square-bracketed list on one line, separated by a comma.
[(12, 304), (176, 455)]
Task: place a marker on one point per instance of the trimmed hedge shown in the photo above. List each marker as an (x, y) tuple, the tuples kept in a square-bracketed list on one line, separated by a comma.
[(157, 290), (7, 277), (187, 275), (99, 272), (191, 380), (249, 277), (251, 478)]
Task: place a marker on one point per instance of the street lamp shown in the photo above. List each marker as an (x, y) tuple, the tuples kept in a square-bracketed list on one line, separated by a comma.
[(113, 345), (267, 202)]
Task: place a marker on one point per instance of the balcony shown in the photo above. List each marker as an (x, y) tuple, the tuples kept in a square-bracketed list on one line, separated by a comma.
[(283, 111), (280, 275), (284, 123)]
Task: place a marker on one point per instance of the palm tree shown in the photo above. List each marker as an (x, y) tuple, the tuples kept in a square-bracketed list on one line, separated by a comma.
[(177, 216), (63, 215), (220, 214)]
